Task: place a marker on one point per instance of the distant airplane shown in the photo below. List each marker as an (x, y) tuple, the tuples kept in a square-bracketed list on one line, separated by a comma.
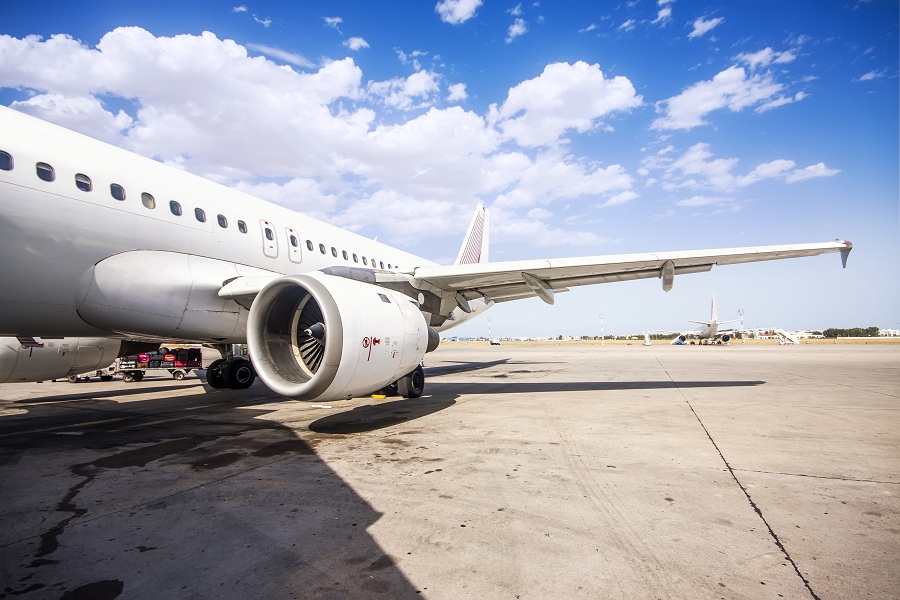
[(98, 242), (709, 333)]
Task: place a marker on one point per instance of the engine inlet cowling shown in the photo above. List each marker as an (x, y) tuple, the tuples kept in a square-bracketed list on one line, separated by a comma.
[(317, 336)]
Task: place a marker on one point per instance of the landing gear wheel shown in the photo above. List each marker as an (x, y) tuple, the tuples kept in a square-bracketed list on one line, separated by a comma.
[(390, 390), (214, 376), (413, 384), (239, 374)]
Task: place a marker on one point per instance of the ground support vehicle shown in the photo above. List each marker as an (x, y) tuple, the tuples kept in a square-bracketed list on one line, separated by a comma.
[(177, 361)]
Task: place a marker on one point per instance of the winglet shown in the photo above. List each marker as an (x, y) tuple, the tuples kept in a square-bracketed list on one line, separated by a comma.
[(475, 245), (845, 252)]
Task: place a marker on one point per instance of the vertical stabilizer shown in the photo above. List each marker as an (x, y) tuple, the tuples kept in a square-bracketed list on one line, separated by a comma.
[(713, 317), (475, 245)]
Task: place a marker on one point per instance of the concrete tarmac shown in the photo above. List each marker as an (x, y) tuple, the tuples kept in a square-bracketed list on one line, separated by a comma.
[(525, 471)]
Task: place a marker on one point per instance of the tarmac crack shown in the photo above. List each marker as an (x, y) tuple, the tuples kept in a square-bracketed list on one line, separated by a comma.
[(829, 477), (753, 504)]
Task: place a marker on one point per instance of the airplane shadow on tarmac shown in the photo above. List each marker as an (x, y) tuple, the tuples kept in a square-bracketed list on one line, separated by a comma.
[(179, 497), (386, 414)]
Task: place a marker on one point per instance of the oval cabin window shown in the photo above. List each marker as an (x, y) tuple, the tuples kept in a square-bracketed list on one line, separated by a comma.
[(117, 191), (45, 172), (6, 161), (83, 182)]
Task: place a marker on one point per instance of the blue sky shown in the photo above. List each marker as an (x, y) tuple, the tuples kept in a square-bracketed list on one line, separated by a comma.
[(588, 128)]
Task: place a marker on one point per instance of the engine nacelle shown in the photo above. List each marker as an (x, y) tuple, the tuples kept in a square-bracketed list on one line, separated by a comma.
[(317, 336), (59, 358), (726, 338)]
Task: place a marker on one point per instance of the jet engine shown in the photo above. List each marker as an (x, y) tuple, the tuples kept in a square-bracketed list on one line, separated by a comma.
[(726, 338), (318, 336), (40, 360)]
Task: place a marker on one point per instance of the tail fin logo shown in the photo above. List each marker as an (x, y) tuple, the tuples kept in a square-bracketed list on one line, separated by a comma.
[(475, 245)]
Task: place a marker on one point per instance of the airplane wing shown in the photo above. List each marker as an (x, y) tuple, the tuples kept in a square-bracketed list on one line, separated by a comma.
[(504, 281)]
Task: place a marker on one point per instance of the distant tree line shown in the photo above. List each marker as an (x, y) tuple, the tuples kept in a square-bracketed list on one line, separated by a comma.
[(834, 332)]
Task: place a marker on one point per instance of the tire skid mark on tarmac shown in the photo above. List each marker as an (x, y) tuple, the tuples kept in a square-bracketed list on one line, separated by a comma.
[(604, 504)]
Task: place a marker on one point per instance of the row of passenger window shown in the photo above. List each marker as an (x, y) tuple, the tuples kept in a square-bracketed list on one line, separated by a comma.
[(47, 173), (375, 264)]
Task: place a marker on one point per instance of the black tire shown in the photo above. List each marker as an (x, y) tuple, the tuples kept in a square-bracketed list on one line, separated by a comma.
[(129, 377), (72, 379), (239, 374), (390, 389), (214, 376), (413, 384), (138, 375), (178, 375), (106, 378)]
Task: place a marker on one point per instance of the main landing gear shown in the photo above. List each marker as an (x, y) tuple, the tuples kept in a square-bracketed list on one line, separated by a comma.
[(234, 373), (410, 385)]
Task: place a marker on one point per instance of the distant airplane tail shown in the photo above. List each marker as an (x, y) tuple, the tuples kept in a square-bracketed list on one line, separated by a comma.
[(475, 245)]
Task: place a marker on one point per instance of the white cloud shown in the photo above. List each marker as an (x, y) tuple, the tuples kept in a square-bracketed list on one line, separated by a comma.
[(590, 27), (288, 57), (700, 201), (515, 30), (766, 57), (411, 58), (698, 169), (780, 101), (873, 75), (564, 97), (80, 113), (333, 22), (816, 170), (457, 92), (534, 231), (384, 209), (702, 26), (239, 9), (663, 16), (264, 22), (730, 89), (412, 92), (516, 11), (457, 11), (356, 43), (554, 177), (627, 25), (620, 198)]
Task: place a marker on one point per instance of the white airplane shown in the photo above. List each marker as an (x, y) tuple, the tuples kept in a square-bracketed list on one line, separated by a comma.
[(709, 333), (100, 242)]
